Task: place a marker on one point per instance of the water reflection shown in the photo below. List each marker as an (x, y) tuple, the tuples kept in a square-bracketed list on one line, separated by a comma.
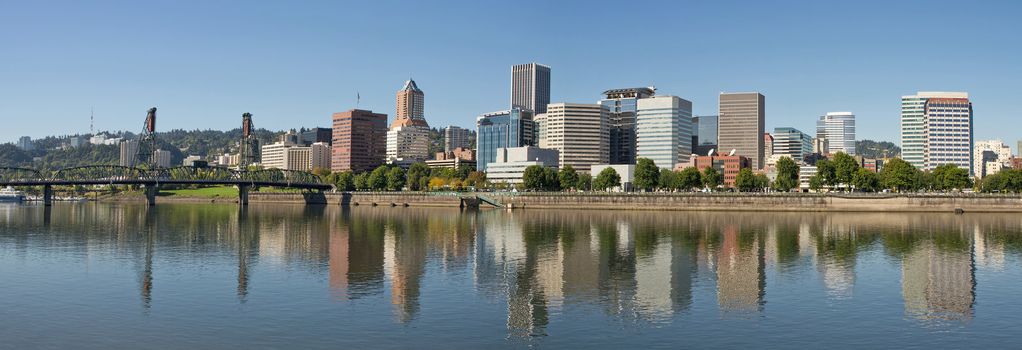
[(632, 266)]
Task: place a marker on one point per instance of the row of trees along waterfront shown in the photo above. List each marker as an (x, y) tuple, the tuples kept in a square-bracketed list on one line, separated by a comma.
[(418, 177), (840, 173)]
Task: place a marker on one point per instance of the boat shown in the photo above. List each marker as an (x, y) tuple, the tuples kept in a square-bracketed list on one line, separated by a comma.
[(9, 195)]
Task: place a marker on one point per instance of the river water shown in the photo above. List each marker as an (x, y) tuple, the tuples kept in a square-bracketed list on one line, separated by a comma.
[(188, 276)]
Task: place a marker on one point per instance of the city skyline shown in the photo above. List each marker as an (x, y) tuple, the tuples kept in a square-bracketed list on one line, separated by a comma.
[(205, 82)]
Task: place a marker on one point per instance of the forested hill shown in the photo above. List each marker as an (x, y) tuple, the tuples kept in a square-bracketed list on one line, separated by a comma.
[(874, 149), (53, 153)]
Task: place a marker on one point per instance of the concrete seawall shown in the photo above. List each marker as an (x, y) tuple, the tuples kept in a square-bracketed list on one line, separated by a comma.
[(667, 201)]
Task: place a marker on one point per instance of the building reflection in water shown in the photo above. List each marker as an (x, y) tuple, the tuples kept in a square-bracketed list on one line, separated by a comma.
[(632, 266), (740, 268), (938, 278)]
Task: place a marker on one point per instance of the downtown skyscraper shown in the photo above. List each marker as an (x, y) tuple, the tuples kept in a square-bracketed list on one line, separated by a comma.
[(621, 108), (530, 87), (791, 142), (503, 129), (740, 123), (663, 130), (838, 128), (936, 129), (360, 140), (408, 137), (579, 132)]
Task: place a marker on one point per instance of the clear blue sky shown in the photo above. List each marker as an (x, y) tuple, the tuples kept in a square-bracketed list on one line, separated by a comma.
[(293, 63)]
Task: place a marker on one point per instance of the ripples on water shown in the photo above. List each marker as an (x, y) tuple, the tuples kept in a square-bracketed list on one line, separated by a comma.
[(214, 276)]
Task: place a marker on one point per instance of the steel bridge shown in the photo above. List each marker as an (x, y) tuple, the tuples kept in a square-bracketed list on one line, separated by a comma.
[(152, 179)]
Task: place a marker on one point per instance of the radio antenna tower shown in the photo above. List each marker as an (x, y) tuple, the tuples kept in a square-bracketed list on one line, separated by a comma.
[(92, 121), (147, 142)]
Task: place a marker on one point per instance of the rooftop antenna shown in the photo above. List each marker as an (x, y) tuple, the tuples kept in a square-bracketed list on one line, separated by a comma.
[(358, 98)]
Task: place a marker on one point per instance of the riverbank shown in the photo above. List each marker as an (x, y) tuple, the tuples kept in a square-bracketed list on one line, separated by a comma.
[(786, 202)]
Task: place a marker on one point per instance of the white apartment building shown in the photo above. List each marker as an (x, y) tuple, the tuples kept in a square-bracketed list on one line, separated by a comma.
[(161, 158), (989, 157), (407, 142), (580, 132), (663, 130)]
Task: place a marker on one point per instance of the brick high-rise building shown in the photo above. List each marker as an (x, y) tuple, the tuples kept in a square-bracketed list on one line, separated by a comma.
[(360, 140), (410, 100), (408, 138)]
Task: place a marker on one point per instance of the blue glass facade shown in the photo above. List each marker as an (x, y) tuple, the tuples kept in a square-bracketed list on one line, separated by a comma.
[(512, 128)]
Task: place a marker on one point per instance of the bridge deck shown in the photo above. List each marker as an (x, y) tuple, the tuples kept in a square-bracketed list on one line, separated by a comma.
[(311, 186)]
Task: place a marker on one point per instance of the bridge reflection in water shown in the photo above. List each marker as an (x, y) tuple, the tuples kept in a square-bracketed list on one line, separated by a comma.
[(632, 266), (153, 178)]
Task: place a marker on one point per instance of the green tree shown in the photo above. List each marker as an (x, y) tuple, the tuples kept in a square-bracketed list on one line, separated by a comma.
[(816, 182), (689, 178), (550, 180), (361, 181), (395, 179), (711, 178), (1007, 180), (378, 178), (746, 180), (826, 169), (762, 182), (568, 177), (344, 181), (898, 175), (787, 175), (416, 172), (476, 179), (585, 182), (462, 171), (845, 167), (647, 174), (865, 180), (607, 178), (532, 178), (668, 180), (950, 177), (923, 181)]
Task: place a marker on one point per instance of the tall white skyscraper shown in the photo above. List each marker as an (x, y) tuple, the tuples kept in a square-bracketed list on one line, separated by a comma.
[(663, 130), (838, 128), (580, 132), (936, 129), (530, 87)]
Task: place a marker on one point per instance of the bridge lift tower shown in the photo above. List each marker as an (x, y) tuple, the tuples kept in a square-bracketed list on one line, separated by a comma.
[(249, 145), (146, 154)]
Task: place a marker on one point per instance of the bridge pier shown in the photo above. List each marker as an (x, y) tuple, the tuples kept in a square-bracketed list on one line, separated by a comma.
[(47, 195), (151, 191), (243, 194)]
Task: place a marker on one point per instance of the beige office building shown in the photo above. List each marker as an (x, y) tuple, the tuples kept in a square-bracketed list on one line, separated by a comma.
[(580, 132), (289, 156), (740, 125)]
